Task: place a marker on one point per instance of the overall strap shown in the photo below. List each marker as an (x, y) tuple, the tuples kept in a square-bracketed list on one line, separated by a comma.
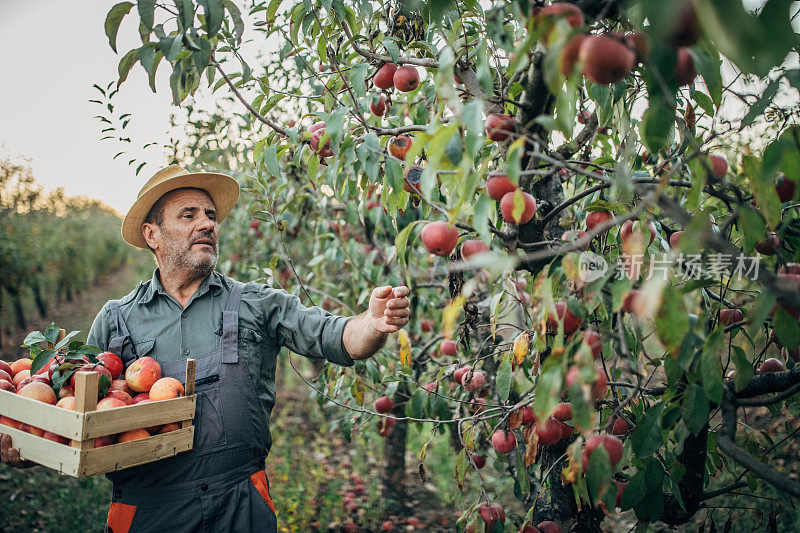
[(230, 325), (116, 344)]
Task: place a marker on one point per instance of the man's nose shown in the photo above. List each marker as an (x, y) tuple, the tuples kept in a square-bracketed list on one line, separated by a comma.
[(206, 224)]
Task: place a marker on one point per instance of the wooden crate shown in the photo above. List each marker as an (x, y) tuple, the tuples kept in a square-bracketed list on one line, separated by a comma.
[(80, 458)]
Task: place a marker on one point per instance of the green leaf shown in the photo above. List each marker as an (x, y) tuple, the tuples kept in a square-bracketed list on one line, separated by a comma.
[(548, 390), (125, 65), (214, 13), (763, 187), (149, 59), (113, 20), (711, 368), (346, 426), (400, 243), (41, 359), (744, 368), (146, 8), (672, 321), (704, 101), (758, 108), (51, 333), (272, 10), (695, 408), (752, 226), (646, 438), (786, 328), (657, 124), (634, 492), (599, 472), (454, 150), (271, 160), (236, 15), (32, 338), (503, 380), (358, 75)]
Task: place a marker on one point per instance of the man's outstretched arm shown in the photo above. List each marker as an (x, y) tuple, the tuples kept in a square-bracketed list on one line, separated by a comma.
[(388, 312)]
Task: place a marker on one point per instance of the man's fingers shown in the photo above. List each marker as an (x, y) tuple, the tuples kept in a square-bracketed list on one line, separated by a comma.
[(382, 292), (398, 303), (401, 291), (397, 313)]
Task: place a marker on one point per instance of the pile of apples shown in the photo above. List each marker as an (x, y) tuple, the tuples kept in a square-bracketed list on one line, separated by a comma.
[(141, 383)]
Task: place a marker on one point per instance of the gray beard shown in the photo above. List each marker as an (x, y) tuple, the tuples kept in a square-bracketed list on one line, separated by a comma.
[(178, 260)]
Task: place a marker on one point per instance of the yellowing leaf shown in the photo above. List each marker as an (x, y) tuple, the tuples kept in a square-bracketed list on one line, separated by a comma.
[(450, 315), (521, 347), (405, 347)]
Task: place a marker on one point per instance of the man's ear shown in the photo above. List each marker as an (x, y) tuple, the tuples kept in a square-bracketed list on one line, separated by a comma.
[(151, 233)]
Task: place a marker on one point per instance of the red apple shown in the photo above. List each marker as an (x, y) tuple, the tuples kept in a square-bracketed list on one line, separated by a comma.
[(5, 367), (512, 202), (575, 236), (474, 382), (563, 411), (142, 374), (413, 177), (120, 395), (549, 433), (479, 460), (640, 44), (110, 403), (143, 397), (385, 426), (473, 247), (719, 165), (38, 391), (112, 362), (612, 445), (594, 341), (675, 239), (785, 188), (384, 77), (400, 145), (498, 185), (458, 375), (504, 441), (406, 78), (620, 427), (770, 245), (548, 526), (7, 385), (426, 325), (499, 126), (384, 404), (491, 513), (563, 314), (771, 365), (324, 150), (685, 71), (629, 226), (606, 59), (686, 27), (438, 238), (571, 12), (378, 109), (598, 387), (570, 54), (730, 316), (596, 218)]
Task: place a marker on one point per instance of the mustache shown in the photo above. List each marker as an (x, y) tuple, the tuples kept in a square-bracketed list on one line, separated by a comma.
[(205, 238)]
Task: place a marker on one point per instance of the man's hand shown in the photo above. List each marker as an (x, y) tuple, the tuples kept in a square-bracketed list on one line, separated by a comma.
[(10, 455), (389, 308)]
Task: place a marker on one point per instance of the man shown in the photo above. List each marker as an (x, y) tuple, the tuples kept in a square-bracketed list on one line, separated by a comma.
[(235, 332)]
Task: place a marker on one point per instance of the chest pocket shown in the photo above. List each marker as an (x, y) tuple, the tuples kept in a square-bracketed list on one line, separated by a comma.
[(249, 343), (141, 348)]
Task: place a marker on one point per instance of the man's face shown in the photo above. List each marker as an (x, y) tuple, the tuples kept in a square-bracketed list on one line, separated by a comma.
[(188, 237)]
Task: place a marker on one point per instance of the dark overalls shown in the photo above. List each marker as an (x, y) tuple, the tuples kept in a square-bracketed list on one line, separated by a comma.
[(220, 485)]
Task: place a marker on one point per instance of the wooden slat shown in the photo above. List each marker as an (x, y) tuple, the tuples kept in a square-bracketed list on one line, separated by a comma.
[(57, 456), (137, 452), (191, 367), (41, 415), (119, 419), (86, 385)]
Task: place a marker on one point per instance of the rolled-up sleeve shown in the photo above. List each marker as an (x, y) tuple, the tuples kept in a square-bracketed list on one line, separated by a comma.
[(308, 331)]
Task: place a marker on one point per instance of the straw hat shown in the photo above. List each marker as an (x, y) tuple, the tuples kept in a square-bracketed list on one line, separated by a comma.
[(223, 190)]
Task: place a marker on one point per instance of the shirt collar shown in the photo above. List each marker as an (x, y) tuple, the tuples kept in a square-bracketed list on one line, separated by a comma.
[(214, 280)]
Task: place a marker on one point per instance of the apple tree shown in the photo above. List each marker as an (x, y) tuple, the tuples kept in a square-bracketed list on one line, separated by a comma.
[(594, 204)]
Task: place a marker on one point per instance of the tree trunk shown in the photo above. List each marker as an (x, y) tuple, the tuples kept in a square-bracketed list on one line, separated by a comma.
[(17, 303), (393, 476), (41, 306)]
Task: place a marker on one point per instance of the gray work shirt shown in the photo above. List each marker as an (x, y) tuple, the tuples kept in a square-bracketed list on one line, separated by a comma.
[(268, 320)]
